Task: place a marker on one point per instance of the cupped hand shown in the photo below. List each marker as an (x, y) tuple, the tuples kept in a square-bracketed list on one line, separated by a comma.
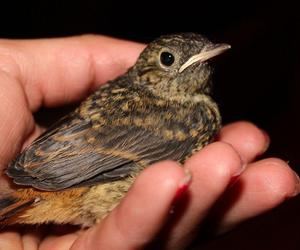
[(164, 207)]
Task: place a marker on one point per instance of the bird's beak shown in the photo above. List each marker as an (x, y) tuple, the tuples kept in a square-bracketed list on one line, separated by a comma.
[(203, 56)]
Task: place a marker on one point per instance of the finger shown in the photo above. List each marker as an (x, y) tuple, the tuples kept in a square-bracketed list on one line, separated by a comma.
[(58, 242), (30, 242), (246, 138), (140, 216), (63, 70), (17, 122), (10, 241), (262, 186), (213, 169)]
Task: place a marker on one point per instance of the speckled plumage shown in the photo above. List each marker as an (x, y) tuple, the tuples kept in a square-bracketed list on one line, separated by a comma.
[(79, 169)]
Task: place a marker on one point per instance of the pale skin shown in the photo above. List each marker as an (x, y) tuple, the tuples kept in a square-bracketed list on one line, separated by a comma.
[(55, 72)]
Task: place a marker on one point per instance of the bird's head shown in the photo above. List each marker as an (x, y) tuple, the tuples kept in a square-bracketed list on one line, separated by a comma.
[(177, 65)]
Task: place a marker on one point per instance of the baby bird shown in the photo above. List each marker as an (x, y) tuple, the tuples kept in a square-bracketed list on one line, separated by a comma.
[(81, 167)]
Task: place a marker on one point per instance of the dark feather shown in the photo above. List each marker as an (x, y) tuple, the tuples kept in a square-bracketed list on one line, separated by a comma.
[(65, 158), (9, 206)]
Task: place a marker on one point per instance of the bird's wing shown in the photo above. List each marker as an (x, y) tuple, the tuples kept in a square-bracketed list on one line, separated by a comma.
[(73, 154)]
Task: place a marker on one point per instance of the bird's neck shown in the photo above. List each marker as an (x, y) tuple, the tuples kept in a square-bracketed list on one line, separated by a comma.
[(167, 91), (173, 95)]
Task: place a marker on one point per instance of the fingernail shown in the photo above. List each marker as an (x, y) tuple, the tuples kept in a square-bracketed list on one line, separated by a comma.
[(239, 171), (183, 185), (297, 187), (235, 177)]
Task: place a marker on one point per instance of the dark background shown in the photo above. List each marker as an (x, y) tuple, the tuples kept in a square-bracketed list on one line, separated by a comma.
[(258, 80)]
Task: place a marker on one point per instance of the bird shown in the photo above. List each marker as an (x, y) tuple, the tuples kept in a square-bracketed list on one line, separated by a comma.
[(81, 167)]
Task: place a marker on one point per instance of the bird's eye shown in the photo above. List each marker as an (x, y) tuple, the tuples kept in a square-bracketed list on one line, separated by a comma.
[(167, 59)]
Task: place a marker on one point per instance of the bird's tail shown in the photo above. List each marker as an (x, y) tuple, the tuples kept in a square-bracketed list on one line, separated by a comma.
[(10, 206)]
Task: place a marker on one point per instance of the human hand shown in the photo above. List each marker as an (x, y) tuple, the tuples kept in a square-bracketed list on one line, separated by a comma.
[(54, 72)]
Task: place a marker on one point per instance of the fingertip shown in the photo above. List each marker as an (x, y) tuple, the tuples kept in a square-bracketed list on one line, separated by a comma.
[(221, 160), (277, 178), (164, 173), (249, 140), (262, 186)]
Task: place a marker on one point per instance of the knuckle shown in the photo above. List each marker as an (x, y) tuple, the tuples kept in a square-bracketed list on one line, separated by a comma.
[(9, 66)]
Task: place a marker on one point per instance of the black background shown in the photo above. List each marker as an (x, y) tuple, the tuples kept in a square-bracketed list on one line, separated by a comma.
[(258, 80)]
